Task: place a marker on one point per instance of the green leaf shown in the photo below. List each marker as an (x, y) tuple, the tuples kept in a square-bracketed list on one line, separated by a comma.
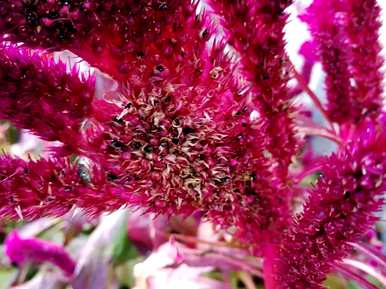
[(353, 285), (6, 277), (122, 248), (125, 272), (335, 282)]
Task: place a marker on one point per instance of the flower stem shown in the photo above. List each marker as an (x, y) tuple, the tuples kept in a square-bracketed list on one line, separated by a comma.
[(365, 249), (311, 94), (346, 271), (365, 268), (322, 132)]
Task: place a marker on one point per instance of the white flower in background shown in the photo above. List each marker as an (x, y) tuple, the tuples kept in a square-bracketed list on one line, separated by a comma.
[(163, 270)]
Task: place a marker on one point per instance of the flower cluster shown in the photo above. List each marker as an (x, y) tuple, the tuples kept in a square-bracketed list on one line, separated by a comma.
[(192, 129), (338, 209), (38, 94), (346, 33), (255, 30), (175, 138)]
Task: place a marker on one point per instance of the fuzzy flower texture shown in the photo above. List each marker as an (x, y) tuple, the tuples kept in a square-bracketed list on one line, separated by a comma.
[(191, 128)]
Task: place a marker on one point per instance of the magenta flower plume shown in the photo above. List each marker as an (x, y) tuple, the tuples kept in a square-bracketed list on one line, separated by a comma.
[(114, 36), (255, 30), (176, 138), (339, 210), (347, 36), (325, 24), (38, 94), (99, 31), (52, 187), (31, 188), (363, 26), (31, 250)]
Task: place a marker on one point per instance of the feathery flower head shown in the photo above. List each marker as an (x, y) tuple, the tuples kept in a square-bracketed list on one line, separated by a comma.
[(114, 36), (346, 33), (180, 133), (363, 27), (177, 136), (39, 94), (173, 154), (255, 30), (325, 22), (339, 210)]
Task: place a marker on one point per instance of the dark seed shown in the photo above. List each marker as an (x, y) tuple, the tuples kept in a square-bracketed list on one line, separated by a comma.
[(135, 145), (160, 67), (148, 149), (111, 176), (118, 120), (140, 54), (116, 144), (205, 34), (187, 130), (167, 99)]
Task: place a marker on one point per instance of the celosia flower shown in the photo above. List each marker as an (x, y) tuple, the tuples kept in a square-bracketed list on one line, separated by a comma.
[(325, 24), (38, 94), (255, 30), (114, 36), (338, 210), (347, 35), (363, 25), (178, 138), (180, 134), (99, 32), (30, 250)]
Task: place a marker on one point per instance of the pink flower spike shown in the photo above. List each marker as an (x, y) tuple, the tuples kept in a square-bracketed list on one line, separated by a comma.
[(338, 211), (37, 93), (363, 31), (346, 33), (21, 251), (256, 30)]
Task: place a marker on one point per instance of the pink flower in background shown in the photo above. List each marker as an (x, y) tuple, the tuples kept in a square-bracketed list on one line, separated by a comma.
[(30, 250)]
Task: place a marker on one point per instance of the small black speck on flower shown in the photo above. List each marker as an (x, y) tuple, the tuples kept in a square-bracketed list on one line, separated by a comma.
[(135, 145), (111, 176), (148, 149), (160, 67), (118, 145), (118, 120), (187, 130)]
